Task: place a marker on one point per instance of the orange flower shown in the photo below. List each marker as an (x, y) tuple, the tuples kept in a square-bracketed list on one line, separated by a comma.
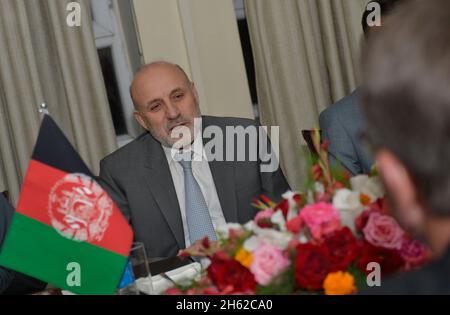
[(364, 199), (244, 257), (339, 283)]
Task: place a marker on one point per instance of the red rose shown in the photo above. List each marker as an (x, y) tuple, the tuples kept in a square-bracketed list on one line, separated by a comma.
[(343, 248), (414, 253), (389, 259), (361, 220), (312, 266), (231, 275), (295, 224)]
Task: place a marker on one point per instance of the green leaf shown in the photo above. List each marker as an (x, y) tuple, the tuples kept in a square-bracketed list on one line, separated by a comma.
[(359, 276)]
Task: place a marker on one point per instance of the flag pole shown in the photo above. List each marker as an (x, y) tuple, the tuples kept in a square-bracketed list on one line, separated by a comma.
[(43, 109)]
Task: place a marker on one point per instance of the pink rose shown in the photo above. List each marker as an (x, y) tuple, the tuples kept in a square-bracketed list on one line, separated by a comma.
[(414, 253), (268, 262), (321, 218), (383, 231)]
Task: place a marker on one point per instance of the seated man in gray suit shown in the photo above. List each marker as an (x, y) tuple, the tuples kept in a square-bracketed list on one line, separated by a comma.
[(342, 123), (173, 204)]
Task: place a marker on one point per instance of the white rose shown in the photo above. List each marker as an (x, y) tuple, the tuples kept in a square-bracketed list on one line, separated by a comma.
[(374, 187), (250, 226), (274, 237), (345, 199), (369, 186), (357, 182), (252, 243), (349, 206), (278, 219), (223, 230)]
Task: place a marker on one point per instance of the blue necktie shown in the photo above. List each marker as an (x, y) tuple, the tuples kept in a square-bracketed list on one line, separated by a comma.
[(197, 214)]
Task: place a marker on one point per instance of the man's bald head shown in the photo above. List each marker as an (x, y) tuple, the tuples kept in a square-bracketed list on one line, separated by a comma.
[(143, 70)]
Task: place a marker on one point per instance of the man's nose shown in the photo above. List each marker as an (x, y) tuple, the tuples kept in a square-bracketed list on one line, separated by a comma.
[(172, 110)]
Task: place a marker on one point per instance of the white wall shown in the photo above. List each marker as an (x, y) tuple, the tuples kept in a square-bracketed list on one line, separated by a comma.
[(202, 37)]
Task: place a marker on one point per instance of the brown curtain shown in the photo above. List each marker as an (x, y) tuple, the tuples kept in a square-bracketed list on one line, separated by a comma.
[(306, 57), (42, 59)]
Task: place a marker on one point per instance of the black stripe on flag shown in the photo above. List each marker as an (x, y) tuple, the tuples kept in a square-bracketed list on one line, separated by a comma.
[(53, 148)]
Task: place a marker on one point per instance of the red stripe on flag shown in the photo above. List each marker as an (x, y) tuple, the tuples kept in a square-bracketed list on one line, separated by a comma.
[(53, 197)]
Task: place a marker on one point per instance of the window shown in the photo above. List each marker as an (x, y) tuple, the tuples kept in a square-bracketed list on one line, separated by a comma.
[(112, 90), (247, 52), (119, 56)]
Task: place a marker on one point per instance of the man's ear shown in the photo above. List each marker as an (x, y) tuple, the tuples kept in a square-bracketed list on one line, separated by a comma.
[(194, 90), (401, 191), (140, 120)]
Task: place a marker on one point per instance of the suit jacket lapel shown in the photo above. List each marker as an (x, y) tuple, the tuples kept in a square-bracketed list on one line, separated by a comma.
[(159, 180), (223, 176)]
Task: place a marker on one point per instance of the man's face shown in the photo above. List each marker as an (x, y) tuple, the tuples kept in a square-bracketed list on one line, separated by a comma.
[(165, 101), (401, 193)]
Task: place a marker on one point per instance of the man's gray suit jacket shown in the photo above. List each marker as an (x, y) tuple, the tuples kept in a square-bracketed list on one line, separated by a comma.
[(342, 124), (138, 179)]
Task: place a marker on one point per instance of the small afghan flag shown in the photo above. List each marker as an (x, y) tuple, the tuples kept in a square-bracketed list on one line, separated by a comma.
[(66, 230)]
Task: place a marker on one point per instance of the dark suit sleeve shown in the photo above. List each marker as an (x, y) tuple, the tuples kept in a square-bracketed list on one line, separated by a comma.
[(12, 282), (6, 213), (273, 182), (106, 180), (341, 145)]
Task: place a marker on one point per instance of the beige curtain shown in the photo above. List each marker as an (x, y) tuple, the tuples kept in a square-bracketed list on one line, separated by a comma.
[(306, 57), (42, 59)]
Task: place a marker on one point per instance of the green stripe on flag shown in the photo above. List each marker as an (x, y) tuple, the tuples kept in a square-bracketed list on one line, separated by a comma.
[(38, 250)]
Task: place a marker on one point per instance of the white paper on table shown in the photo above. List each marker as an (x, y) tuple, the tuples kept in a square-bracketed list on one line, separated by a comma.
[(159, 284)]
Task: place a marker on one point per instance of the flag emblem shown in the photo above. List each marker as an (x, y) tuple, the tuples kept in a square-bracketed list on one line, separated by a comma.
[(79, 208)]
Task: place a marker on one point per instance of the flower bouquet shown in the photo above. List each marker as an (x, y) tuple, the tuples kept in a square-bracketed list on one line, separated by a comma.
[(327, 240)]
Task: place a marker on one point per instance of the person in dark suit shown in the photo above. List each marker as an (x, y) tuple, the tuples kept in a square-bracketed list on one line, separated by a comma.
[(6, 213), (406, 102), (343, 123), (12, 282), (171, 205)]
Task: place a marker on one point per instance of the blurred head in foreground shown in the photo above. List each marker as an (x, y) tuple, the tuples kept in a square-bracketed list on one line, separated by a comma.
[(406, 100), (374, 7)]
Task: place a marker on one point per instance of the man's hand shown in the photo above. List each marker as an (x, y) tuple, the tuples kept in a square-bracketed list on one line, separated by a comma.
[(201, 248)]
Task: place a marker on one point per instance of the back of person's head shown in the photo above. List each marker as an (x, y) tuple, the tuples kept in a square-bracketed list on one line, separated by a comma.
[(406, 96), (386, 6)]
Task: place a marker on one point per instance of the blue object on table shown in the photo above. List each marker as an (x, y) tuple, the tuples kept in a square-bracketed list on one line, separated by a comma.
[(127, 277)]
